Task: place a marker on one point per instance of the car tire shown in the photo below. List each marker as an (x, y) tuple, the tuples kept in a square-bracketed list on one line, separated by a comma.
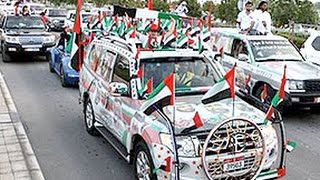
[(142, 155), (270, 93), (5, 57), (89, 118), (62, 78), (49, 59)]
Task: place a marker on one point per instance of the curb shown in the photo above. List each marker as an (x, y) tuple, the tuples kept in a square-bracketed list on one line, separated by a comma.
[(28, 153)]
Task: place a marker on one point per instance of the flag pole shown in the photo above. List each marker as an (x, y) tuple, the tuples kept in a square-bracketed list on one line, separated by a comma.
[(233, 98), (176, 163)]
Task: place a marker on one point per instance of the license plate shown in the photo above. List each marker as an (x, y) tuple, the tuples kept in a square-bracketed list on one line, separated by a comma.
[(32, 49), (316, 100), (233, 164)]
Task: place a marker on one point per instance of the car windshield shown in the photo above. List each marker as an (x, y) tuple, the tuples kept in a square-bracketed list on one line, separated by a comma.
[(57, 13), (192, 74), (274, 50), (24, 22)]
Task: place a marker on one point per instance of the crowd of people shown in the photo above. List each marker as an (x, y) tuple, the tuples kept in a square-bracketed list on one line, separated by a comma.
[(257, 22)]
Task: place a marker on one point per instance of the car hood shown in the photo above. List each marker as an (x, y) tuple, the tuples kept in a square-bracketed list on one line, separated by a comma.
[(298, 70), (27, 32), (210, 114)]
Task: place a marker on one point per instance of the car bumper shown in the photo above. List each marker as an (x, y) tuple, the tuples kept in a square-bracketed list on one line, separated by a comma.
[(42, 49), (72, 78), (303, 99)]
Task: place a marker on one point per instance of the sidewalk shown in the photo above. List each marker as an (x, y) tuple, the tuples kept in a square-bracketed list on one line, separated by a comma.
[(17, 159)]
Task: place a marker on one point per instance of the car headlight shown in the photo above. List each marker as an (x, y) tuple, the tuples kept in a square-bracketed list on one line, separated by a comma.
[(12, 39), (55, 21), (49, 39), (269, 134), (295, 85), (185, 147)]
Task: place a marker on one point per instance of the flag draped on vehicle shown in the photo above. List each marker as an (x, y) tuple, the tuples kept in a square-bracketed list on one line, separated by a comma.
[(74, 42), (162, 96)]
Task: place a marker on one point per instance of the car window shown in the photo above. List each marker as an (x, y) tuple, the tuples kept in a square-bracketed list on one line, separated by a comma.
[(94, 57), (57, 13), (105, 67), (238, 47), (121, 70), (316, 43)]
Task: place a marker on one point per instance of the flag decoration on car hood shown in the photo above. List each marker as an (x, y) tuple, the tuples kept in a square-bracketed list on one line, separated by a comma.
[(162, 96), (225, 88)]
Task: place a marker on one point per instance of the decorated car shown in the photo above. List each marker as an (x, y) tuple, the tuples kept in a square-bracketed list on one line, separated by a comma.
[(262, 59), (167, 111), (60, 63)]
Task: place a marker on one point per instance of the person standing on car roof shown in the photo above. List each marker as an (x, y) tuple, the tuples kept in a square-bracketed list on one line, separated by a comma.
[(245, 20), (262, 19), (44, 18)]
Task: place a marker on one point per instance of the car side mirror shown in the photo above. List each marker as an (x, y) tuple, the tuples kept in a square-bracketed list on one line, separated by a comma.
[(118, 89), (243, 57)]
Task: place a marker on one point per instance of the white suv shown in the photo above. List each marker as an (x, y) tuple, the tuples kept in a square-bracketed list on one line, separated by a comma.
[(112, 88)]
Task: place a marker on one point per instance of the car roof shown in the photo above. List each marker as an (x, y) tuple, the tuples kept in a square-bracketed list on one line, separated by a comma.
[(232, 32), (168, 53)]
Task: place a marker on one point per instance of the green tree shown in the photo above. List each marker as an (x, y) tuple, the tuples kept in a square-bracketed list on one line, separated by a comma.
[(206, 6), (299, 11), (159, 5), (227, 11), (194, 8)]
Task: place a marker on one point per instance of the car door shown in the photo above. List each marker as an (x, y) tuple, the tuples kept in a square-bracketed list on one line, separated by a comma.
[(117, 106)]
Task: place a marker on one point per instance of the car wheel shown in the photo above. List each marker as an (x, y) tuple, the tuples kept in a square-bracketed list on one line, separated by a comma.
[(49, 59), (89, 118), (62, 78), (143, 164), (270, 93), (5, 57)]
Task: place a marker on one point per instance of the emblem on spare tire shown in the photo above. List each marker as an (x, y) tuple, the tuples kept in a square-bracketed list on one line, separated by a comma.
[(234, 148)]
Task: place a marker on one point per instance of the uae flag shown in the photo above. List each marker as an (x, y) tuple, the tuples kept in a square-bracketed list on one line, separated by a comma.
[(162, 96), (200, 45), (278, 98), (74, 41), (182, 41), (222, 89)]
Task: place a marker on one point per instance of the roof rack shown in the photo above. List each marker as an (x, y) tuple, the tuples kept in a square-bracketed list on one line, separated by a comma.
[(121, 42)]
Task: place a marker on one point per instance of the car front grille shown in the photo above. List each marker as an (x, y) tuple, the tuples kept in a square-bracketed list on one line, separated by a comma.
[(31, 40), (222, 133), (235, 149), (312, 86)]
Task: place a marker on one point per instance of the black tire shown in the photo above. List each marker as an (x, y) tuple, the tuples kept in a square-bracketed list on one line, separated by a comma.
[(142, 147), (5, 57), (49, 59), (270, 93), (62, 78), (88, 111)]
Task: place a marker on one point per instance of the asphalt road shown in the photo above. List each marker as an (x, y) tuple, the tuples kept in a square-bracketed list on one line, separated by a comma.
[(54, 123)]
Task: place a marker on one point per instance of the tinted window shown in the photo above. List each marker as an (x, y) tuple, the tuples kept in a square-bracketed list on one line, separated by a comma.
[(24, 22), (238, 47), (121, 70), (316, 43)]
